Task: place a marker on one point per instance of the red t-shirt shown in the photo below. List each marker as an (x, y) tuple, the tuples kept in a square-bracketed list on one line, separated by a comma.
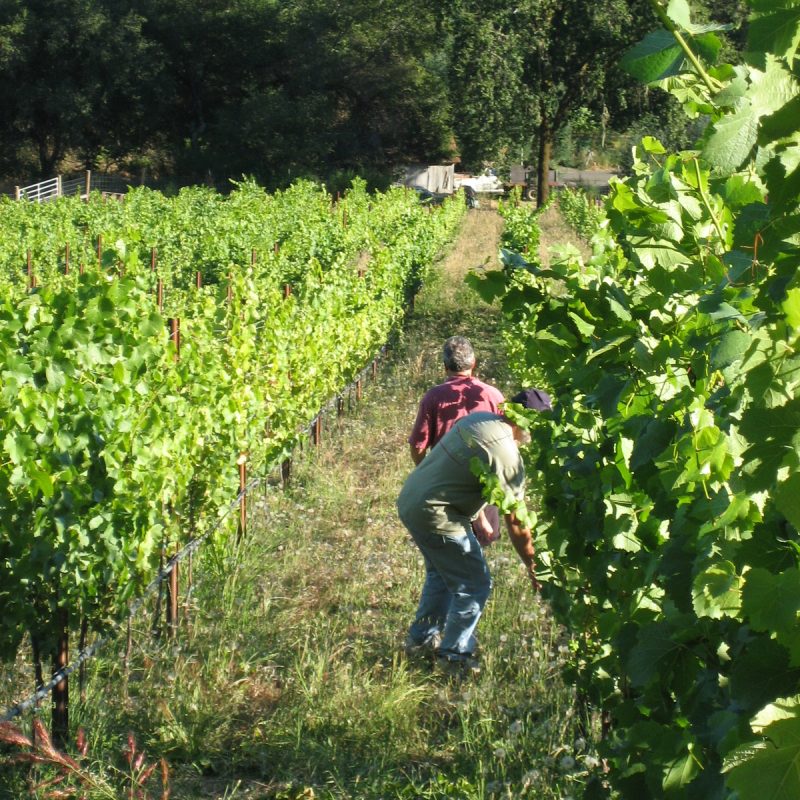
[(442, 405)]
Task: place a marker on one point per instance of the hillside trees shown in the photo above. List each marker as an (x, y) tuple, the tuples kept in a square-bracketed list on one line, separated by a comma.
[(222, 87), (69, 78)]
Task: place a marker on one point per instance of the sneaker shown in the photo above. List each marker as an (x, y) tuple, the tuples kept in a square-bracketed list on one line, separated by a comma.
[(468, 667), (414, 648)]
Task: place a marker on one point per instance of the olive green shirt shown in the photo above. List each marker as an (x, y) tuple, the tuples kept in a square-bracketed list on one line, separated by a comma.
[(442, 495)]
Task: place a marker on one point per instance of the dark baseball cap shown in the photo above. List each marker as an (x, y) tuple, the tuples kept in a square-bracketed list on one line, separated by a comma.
[(534, 399)]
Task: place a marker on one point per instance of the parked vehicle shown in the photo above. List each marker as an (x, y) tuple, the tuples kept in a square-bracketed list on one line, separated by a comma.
[(487, 183), (525, 178)]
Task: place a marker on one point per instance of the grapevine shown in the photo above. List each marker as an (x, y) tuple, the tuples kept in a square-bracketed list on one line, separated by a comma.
[(120, 434), (671, 504)]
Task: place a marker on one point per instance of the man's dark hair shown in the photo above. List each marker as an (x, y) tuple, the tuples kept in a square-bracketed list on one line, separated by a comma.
[(458, 354)]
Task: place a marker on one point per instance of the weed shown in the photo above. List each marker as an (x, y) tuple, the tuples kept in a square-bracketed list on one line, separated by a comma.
[(54, 775)]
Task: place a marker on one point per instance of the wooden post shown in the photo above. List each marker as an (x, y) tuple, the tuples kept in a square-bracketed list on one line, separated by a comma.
[(81, 648), (286, 471), (99, 249), (88, 185), (287, 290), (160, 294), (17, 193), (31, 279), (162, 557), (60, 695), (316, 430), (66, 259), (198, 279), (358, 390), (340, 405), (175, 336), (126, 658), (374, 368), (173, 586), (253, 257), (59, 190), (152, 259)]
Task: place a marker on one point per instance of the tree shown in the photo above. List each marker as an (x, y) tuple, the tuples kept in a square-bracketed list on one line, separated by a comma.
[(493, 108), (306, 88), (525, 67), (571, 45), (70, 74)]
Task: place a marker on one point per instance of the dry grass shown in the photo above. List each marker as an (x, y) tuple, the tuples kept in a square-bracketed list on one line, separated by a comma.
[(556, 233)]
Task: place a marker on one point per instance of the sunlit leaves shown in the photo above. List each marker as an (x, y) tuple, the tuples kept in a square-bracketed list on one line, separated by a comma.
[(673, 457), (770, 768), (109, 436), (659, 56), (775, 28)]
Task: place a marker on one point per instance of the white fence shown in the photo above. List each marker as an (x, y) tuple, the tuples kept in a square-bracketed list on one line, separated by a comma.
[(59, 187)]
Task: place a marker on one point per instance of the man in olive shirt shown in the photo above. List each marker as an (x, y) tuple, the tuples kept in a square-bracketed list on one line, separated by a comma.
[(437, 503)]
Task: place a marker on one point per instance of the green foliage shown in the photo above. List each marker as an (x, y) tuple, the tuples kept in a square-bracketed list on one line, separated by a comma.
[(112, 443), (520, 231), (669, 530), (580, 212), (220, 89)]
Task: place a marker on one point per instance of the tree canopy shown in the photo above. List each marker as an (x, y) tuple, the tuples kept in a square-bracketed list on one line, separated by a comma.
[(222, 88)]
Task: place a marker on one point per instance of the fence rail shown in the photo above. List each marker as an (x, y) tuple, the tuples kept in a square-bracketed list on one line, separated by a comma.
[(50, 189)]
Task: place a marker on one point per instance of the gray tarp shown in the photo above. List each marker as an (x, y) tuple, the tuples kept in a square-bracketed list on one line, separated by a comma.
[(437, 179)]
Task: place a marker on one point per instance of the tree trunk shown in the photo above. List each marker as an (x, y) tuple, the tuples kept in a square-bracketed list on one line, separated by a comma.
[(543, 165)]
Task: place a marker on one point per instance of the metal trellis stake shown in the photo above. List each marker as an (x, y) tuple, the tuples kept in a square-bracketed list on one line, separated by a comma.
[(242, 462)]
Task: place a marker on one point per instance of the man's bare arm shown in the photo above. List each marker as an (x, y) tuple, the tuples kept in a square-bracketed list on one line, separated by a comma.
[(523, 544)]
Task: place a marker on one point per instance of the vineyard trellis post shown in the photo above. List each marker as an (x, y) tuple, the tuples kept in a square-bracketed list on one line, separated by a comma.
[(31, 276), (242, 463), (60, 694), (173, 585)]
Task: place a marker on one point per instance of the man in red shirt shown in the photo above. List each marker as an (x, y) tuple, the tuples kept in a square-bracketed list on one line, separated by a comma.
[(441, 406), (459, 395)]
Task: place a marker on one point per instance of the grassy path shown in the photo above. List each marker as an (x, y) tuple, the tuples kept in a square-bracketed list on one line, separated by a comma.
[(291, 681)]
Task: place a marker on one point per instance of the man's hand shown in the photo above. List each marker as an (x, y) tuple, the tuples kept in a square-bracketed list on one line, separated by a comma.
[(532, 575), (486, 526), (416, 455)]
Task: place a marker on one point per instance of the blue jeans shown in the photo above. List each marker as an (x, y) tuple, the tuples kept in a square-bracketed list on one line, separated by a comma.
[(457, 586)]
